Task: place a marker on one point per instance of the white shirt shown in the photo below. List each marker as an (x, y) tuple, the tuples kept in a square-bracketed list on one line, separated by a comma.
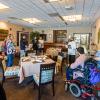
[(72, 48), (41, 43)]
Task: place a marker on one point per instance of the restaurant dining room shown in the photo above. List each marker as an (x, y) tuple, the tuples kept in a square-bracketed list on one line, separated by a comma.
[(49, 49)]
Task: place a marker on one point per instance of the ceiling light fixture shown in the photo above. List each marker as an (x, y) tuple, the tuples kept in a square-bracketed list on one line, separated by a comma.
[(69, 7), (31, 20), (52, 0), (2, 6), (47, 1), (72, 18)]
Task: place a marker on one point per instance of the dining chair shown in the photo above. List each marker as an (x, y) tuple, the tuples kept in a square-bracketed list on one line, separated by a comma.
[(1, 73), (46, 76), (2, 93), (9, 72), (59, 64)]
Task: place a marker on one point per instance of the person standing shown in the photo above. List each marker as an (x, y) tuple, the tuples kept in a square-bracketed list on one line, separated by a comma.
[(41, 45), (33, 43), (71, 50), (23, 46), (10, 50)]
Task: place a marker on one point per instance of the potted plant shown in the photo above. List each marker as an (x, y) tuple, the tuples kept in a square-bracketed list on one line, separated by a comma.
[(34, 34)]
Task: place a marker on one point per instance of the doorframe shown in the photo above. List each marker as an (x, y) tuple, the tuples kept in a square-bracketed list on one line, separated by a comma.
[(19, 36), (90, 34)]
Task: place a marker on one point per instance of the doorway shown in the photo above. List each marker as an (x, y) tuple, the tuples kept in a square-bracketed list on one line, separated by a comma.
[(20, 34), (82, 39)]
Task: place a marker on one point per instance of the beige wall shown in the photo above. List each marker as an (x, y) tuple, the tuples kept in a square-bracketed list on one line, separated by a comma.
[(49, 34), (14, 28), (70, 31), (84, 29), (97, 29)]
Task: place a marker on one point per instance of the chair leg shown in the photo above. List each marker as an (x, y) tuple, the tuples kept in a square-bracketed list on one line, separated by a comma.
[(34, 85), (53, 89), (61, 70), (39, 95)]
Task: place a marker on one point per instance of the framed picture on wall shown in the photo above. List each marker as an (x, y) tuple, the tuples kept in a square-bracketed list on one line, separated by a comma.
[(3, 34), (99, 36)]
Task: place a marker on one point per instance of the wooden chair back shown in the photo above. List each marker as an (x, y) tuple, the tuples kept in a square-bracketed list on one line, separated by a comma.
[(59, 63), (47, 72)]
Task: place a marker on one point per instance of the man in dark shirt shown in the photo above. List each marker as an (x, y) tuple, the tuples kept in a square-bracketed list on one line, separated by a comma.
[(23, 45)]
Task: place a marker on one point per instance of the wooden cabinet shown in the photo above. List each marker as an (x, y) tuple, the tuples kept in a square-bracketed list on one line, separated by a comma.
[(59, 36)]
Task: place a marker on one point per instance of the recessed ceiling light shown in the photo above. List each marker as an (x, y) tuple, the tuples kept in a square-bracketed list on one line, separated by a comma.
[(69, 7), (47, 1), (32, 20), (72, 18), (2, 6), (53, 14), (52, 0)]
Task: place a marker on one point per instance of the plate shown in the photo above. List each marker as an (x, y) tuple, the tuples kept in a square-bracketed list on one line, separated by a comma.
[(39, 60)]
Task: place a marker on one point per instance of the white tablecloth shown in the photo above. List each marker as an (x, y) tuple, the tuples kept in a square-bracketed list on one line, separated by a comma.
[(29, 68)]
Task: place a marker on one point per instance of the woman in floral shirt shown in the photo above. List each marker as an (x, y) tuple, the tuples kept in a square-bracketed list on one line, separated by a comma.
[(10, 50)]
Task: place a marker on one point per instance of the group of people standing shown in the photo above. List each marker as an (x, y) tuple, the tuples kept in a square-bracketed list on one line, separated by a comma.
[(37, 45), (8, 47)]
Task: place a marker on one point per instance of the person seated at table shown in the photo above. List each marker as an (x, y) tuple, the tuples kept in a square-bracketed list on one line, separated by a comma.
[(78, 62)]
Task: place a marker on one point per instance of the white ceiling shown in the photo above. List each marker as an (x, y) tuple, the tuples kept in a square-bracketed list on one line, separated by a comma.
[(90, 10)]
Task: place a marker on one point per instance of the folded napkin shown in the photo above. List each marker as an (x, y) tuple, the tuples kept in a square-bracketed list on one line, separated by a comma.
[(25, 59)]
